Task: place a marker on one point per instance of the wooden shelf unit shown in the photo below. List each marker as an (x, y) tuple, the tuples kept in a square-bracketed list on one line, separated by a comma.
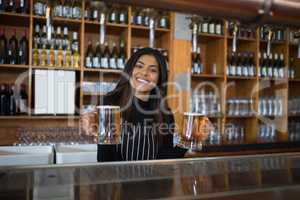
[(214, 51)]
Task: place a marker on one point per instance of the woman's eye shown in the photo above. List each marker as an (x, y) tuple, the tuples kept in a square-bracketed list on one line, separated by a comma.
[(139, 66), (154, 70)]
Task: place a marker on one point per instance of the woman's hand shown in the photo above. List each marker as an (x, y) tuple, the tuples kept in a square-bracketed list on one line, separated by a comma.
[(89, 123)]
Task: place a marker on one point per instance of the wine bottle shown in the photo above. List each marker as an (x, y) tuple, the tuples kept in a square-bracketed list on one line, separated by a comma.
[(22, 100), (2, 99), (97, 56), (113, 57), (44, 36), (2, 5), (10, 6), (51, 56), (75, 59), (281, 68), (12, 100), (22, 6), (89, 56), (75, 42), (36, 36), (106, 56), (65, 40), (194, 63), (3, 47), (23, 50), (43, 56), (35, 55), (88, 13), (58, 9), (39, 7), (58, 38), (13, 49), (67, 61), (122, 56), (123, 16), (264, 65), (113, 15), (270, 66), (239, 65), (59, 57), (76, 10)]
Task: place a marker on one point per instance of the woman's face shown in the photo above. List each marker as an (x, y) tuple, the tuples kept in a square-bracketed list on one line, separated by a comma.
[(145, 74)]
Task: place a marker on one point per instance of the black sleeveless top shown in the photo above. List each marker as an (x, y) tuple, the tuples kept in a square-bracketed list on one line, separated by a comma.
[(139, 140)]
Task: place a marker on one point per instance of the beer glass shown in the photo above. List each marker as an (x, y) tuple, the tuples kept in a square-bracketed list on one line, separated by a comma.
[(196, 128), (109, 124)]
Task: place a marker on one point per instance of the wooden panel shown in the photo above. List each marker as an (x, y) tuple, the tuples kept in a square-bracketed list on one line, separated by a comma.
[(181, 54)]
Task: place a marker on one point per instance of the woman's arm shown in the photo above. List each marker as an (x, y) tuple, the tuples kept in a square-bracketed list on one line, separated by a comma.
[(167, 149), (89, 126)]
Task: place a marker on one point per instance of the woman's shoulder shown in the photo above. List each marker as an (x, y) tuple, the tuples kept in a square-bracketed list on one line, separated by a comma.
[(109, 100)]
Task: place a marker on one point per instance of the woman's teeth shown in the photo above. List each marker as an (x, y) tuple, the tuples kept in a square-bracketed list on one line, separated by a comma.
[(143, 81)]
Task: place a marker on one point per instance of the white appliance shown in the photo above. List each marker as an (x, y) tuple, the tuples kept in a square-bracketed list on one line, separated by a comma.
[(54, 92)]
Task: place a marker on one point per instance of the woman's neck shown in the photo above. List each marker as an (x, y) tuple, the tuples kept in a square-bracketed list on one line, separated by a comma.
[(142, 96)]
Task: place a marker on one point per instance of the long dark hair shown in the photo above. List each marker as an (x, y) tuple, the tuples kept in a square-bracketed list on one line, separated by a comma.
[(123, 93)]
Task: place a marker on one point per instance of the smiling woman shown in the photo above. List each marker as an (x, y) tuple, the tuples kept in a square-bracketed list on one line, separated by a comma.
[(148, 123)]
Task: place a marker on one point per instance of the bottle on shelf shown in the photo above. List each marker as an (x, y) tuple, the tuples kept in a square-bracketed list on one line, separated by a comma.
[(89, 56), (22, 100), (97, 56), (10, 6), (12, 100), (13, 49), (67, 54), (58, 38), (58, 9), (3, 99), (2, 5), (43, 38), (76, 10), (292, 69), (65, 39), (39, 7), (197, 67), (51, 56), (22, 6), (23, 50), (59, 57), (281, 66), (105, 57), (35, 55), (163, 20), (113, 15), (88, 12), (36, 36), (123, 16), (263, 65), (113, 57), (3, 46), (75, 42), (75, 59), (67, 9), (145, 16), (43, 56), (122, 56)]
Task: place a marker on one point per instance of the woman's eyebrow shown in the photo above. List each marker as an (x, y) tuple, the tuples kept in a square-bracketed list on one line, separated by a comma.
[(140, 62)]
